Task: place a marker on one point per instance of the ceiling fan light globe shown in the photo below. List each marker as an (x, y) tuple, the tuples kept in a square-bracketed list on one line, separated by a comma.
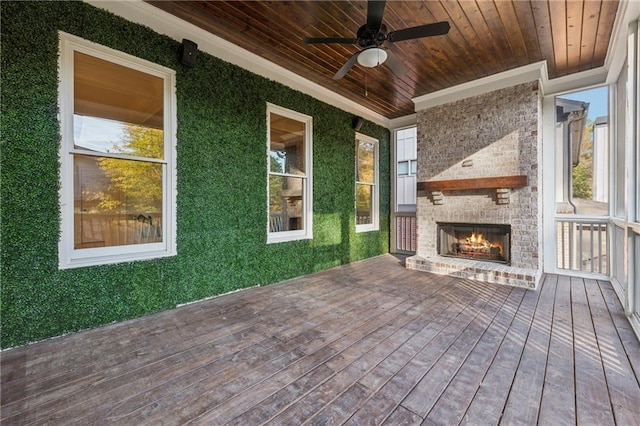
[(372, 57)]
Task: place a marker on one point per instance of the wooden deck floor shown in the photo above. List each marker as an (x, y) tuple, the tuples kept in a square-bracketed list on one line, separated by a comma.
[(365, 343)]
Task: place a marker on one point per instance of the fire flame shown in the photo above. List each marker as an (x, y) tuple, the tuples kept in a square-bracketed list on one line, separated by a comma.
[(479, 241)]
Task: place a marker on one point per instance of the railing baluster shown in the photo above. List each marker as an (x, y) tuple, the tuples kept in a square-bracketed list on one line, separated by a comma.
[(571, 262), (600, 248), (591, 246), (580, 247)]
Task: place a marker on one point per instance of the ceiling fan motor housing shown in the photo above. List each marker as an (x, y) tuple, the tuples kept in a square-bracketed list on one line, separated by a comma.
[(368, 37)]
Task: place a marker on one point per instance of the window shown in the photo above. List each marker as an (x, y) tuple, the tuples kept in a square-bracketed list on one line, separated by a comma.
[(406, 169), (289, 164), (366, 183), (117, 155)]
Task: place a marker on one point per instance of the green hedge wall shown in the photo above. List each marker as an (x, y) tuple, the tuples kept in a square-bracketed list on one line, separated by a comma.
[(221, 201)]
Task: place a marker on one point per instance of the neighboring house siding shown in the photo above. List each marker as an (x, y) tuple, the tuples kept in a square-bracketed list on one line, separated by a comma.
[(221, 184)]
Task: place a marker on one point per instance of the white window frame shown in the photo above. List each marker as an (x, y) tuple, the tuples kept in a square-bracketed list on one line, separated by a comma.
[(70, 257), (307, 179), (375, 204)]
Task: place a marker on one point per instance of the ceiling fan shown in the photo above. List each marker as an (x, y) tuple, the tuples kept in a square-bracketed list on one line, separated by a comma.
[(372, 35)]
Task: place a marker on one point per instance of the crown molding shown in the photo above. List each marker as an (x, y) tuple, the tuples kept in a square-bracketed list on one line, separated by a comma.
[(139, 12), (405, 121), (577, 81), (525, 74)]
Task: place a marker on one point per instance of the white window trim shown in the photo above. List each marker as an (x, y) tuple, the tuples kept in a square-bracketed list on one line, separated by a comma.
[(307, 231), (375, 225), (69, 257)]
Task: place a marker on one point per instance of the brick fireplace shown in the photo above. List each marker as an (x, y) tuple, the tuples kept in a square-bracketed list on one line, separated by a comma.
[(478, 164)]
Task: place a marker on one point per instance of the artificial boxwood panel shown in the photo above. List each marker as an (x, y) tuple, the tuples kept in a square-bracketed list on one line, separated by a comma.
[(222, 181)]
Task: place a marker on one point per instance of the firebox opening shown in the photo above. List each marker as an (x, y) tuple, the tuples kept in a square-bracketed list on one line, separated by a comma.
[(491, 243)]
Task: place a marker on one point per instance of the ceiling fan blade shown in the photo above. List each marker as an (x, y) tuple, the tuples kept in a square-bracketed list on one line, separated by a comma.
[(375, 10), (346, 67), (428, 30), (313, 40), (395, 64)]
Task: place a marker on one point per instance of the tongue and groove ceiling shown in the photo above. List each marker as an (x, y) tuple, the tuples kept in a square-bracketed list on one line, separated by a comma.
[(486, 37)]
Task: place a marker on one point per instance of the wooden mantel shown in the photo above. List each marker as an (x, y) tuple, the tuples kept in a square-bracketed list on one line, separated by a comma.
[(502, 185), (517, 181)]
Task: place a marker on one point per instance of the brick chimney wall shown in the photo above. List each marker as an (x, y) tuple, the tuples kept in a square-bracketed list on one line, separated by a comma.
[(489, 135)]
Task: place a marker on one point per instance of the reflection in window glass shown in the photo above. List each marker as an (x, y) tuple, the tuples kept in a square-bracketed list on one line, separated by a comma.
[(286, 202), (117, 110), (116, 202), (286, 147), (366, 183), (364, 204), (114, 137), (288, 178), (366, 163), (582, 153)]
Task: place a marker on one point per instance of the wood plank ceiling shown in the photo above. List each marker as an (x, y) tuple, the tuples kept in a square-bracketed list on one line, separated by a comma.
[(486, 37)]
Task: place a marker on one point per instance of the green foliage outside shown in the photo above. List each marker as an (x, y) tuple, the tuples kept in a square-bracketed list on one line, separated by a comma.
[(583, 172), (221, 186), (582, 179)]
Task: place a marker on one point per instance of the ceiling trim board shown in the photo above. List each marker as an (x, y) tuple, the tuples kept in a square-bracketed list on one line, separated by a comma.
[(405, 121), (579, 81), (524, 74)]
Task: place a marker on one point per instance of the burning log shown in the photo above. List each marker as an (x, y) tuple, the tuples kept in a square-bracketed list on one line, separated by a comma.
[(478, 246)]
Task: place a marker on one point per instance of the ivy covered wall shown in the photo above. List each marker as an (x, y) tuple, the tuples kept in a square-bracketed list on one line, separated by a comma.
[(222, 181)]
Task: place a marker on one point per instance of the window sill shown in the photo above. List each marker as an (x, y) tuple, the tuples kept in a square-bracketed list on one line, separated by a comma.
[(80, 262), (287, 237)]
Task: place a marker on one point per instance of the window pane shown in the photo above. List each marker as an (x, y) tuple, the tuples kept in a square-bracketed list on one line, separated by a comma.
[(108, 136), (286, 145), (403, 168), (285, 203), (364, 204), (116, 202), (414, 167), (112, 103), (366, 162)]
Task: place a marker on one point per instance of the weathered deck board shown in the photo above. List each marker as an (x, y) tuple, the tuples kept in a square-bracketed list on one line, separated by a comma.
[(558, 393), (516, 374), (455, 400), (593, 406), (432, 385), (622, 383), (369, 342)]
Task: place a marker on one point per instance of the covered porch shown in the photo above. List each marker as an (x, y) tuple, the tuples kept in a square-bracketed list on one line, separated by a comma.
[(369, 342)]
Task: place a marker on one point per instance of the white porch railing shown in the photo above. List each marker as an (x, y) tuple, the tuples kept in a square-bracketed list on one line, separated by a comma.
[(582, 245)]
